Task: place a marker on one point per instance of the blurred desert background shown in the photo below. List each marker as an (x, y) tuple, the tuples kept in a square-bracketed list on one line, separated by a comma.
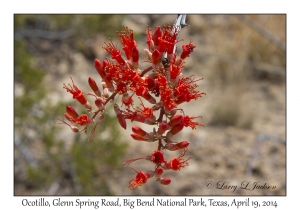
[(242, 59)]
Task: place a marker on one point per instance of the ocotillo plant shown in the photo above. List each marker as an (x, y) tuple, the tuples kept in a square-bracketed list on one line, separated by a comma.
[(161, 84)]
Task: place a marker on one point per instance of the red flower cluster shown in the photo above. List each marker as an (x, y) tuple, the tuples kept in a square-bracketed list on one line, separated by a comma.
[(161, 84)]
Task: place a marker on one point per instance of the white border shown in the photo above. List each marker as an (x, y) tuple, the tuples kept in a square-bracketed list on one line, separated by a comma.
[(8, 8)]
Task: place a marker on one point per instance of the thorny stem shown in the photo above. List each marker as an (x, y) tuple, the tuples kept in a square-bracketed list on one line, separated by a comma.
[(179, 23)]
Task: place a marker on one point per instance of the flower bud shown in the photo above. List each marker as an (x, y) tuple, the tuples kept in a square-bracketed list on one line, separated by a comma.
[(127, 100), (105, 64), (176, 129), (94, 86), (139, 131), (69, 117), (100, 103), (175, 120), (74, 129), (138, 137), (164, 181), (71, 111), (177, 146), (100, 68), (171, 146), (156, 57), (183, 144), (163, 126), (120, 117), (151, 45), (135, 57), (158, 171), (186, 50), (156, 35), (148, 53)]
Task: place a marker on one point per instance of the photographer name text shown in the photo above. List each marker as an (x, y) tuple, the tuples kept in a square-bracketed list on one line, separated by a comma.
[(245, 185)]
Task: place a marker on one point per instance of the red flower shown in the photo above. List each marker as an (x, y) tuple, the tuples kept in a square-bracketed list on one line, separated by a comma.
[(127, 41), (168, 39), (145, 112), (82, 120), (127, 100), (143, 91), (185, 89), (121, 87), (157, 157), (165, 93), (177, 163), (187, 122), (141, 178), (187, 49), (77, 94), (115, 54), (175, 70)]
